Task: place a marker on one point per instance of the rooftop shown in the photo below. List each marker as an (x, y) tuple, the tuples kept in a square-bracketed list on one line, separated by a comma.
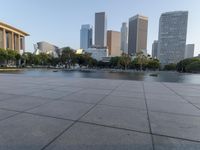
[(48, 113), (9, 27)]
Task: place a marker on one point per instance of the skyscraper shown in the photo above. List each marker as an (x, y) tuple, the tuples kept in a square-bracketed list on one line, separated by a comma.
[(189, 51), (86, 36), (155, 49), (137, 38), (124, 38), (113, 43), (100, 29), (172, 36)]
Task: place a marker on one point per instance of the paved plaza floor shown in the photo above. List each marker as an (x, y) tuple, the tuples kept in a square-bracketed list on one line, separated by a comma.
[(48, 113)]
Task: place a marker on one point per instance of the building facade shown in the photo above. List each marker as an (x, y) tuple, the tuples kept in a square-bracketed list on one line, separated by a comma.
[(137, 37), (189, 50), (155, 49), (172, 36), (98, 53), (113, 43), (86, 36), (12, 38), (124, 38), (100, 29), (47, 48)]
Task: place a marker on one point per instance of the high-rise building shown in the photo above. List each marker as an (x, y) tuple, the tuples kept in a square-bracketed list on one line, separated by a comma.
[(189, 50), (155, 49), (100, 29), (86, 36), (113, 43), (172, 36), (124, 38), (137, 37)]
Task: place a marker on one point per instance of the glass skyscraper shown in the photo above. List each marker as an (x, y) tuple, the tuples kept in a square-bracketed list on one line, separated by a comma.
[(172, 36), (86, 36), (124, 38)]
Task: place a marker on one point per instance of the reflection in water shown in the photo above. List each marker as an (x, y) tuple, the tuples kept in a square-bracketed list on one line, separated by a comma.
[(139, 76)]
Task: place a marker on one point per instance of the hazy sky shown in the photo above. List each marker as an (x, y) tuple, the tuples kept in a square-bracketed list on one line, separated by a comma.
[(59, 21)]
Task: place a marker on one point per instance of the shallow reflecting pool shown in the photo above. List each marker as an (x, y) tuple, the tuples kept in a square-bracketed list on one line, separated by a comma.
[(140, 76)]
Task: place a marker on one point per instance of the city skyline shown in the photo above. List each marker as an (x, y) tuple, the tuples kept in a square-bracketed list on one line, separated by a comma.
[(41, 25)]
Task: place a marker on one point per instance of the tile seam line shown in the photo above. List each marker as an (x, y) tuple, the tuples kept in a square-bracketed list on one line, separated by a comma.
[(26, 110), (90, 123), (148, 117), (181, 96), (54, 139)]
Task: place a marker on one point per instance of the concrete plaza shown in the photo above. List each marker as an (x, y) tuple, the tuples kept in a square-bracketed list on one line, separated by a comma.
[(50, 113)]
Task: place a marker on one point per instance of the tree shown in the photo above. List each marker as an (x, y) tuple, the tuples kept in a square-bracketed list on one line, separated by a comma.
[(115, 62), (181, 66), (3, 56), (193, 67), (170, 67), (125, 60), (68, 57), (141, 59), (27, 58), (153, 64)]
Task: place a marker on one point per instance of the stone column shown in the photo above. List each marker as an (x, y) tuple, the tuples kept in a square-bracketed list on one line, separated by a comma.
[(13, 40), (9, 38), (23, 41), (19, 43), (4, 39)]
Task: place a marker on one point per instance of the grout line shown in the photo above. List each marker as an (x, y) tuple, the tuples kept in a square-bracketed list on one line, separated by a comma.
[(90, 123), (77, 120), (181, 96), (148, 117)]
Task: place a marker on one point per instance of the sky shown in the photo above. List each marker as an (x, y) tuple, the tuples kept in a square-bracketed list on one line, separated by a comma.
[(59, 21)]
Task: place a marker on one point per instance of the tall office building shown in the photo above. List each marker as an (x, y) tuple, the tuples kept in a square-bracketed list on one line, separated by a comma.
[(113, 43), (137, 38), (172, 36), (155, 49), (124, 38), (189, 50), (86, 36), (100, 29)]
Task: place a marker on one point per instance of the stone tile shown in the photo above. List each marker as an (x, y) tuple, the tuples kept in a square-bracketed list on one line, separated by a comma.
[(186, 127), (67, 89), (126, 102), (51, 94), (165, 143), (5, 96), (95, 91), (19, 91), (164, 97), (5, 114), (118, 117), (91, 137), (21, 103), (29, 132), (84, 97), (61, 109), (128, 94), (173, 107), (193, 99)]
